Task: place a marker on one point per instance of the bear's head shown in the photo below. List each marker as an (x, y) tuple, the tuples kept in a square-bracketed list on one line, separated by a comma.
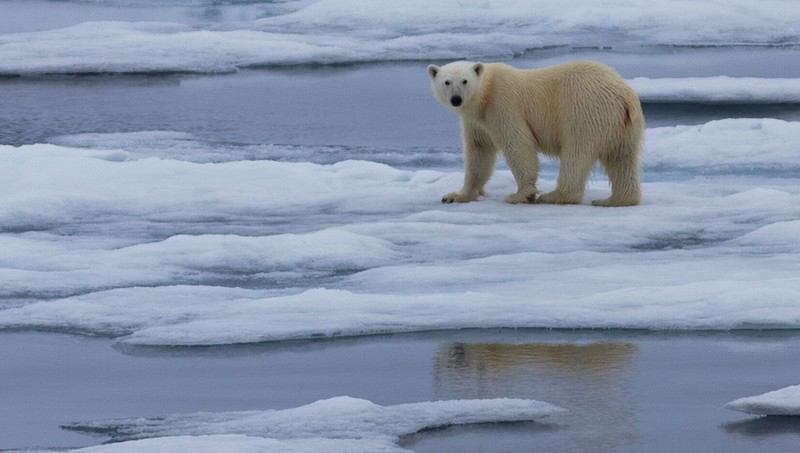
[(455, 84)]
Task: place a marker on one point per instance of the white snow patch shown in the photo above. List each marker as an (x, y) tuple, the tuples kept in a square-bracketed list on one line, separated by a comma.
[(232, 443), (721, 89), (341, 424), (730, 146), (782, 235), (785, 401)]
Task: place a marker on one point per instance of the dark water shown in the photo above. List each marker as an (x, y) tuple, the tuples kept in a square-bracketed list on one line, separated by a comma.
[(326, 106), (380, 105), (624, 391)]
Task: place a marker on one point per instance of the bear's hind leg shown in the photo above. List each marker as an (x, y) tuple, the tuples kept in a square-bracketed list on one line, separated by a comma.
[(623, 174), (574, 169)]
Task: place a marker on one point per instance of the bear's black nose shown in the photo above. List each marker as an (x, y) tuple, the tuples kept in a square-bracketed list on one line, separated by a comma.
[(456, 101)]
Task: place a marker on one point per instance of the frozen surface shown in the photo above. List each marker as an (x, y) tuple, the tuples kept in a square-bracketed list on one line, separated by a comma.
[(720, 89), (347, 31), (232, 443), (341, 424), (785, 401), (163, 251), (734, 146)]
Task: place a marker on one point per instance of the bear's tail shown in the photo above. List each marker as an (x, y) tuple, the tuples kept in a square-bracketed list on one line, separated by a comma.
[(634, 117)]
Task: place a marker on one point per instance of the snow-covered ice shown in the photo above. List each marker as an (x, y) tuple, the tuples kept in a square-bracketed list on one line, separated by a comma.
[(341, 424), (158, 250), (785, 401), (720, 89), (346, 31), (734, 146)]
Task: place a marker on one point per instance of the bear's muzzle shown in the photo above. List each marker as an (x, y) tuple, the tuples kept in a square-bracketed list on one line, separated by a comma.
[(456, 101)]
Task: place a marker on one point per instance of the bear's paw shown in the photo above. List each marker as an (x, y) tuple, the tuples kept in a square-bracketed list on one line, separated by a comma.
[(458, 197), (612, 202), (556, 197), (522, 197)]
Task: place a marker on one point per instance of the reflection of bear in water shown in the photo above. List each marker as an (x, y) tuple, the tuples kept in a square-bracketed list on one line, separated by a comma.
[(462, 362), (589, 380), (580, 113)]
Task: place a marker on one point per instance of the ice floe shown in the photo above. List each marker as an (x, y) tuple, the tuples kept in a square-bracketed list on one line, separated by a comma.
[(721, 89), (162, 251), (341, 424), (785, 401)]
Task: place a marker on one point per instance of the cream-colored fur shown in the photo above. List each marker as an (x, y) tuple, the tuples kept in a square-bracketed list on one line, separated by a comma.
[(580, 112)]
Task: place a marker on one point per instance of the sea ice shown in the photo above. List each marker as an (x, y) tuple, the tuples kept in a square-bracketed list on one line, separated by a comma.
[(162, 251), (785, 401), (721, 89), (233, 443), (341, 424), (733, 146), (346, 31)]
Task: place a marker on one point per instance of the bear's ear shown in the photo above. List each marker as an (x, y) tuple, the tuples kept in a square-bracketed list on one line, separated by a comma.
[(478, 68), (433, 70)]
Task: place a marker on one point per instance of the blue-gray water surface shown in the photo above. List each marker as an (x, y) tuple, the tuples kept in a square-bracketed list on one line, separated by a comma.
[(624, 391)]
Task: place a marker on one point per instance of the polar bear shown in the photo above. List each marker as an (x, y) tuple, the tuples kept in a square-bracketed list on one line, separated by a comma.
[(580, 112)]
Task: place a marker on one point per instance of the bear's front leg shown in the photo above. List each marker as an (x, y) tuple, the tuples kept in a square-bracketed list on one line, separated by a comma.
[(520, 154), (480, 156)]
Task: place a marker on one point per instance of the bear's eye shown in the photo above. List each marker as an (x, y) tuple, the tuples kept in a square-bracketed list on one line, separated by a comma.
[(447, 83), (464, 82)]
